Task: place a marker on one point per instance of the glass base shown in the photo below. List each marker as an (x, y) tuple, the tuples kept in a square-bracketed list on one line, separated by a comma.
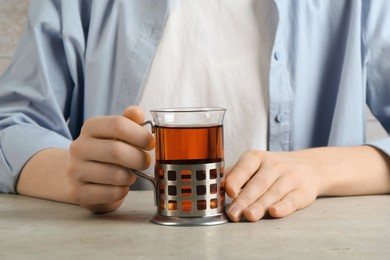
[(190, 221)]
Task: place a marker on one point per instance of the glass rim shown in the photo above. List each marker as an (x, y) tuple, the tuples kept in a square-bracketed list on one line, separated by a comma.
[(188, 109)]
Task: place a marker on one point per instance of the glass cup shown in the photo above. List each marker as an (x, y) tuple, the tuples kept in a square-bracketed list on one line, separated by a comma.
[(189, 166)]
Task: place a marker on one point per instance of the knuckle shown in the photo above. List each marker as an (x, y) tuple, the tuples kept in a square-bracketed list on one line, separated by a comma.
[(275, 162), (87, 125), (118, 192), (119, 177), (72, 171), (117, 150), (251, 185), (254, 154), (245, 197), (275, 193), (119, 126), (240, 170), (246, 200), (140, 160), (76, 186), (272, 160), (260, 183), (289, 204), (74, 148), (77, 149), (75, 194)]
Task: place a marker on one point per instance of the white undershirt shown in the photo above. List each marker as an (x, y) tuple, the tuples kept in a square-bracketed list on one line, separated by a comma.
[(216, 53)]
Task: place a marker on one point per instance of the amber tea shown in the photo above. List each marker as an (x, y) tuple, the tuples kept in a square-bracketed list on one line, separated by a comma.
[(189, 145)]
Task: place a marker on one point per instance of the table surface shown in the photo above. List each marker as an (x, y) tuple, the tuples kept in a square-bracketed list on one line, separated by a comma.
[(330, 228)]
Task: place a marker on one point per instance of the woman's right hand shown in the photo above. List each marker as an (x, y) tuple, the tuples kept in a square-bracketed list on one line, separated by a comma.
[(100, 157)]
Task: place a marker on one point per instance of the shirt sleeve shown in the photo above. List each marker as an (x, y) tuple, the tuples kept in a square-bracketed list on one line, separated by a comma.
[(376, 35), (35, 94)]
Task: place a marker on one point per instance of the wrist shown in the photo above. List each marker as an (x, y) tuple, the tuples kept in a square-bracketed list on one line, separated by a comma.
[(358, 170)]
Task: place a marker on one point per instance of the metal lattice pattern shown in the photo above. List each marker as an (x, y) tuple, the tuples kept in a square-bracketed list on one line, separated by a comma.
[(192, 190)]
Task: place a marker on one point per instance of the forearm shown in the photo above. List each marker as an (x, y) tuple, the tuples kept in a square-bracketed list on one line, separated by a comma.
[(44, 176), (360, 170)]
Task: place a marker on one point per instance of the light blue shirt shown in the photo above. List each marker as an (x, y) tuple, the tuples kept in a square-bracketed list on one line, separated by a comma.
[(80, 59)]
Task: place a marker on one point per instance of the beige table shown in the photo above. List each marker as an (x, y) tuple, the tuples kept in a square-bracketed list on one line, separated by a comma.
[(331, 228)]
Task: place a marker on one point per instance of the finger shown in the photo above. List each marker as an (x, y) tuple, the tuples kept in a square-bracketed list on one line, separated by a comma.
[(93, 194), (290, 203), (275, 193), (119, 128), (261, 184), (102, 173), (104, 208), (135, 114), (241, 172), (111, 151), (227, 170)]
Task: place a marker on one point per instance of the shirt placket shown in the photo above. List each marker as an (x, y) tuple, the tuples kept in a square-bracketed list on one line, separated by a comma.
[(279, 131)]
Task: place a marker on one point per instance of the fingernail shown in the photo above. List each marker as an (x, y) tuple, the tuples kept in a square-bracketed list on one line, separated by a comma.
[(235, 211), (231, 191), (148, 161), (151, 145), (276, 208), (235, 192), (255, 212), (276, 211)]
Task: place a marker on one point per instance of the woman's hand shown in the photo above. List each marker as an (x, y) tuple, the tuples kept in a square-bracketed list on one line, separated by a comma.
[(100, 157), (279, 183), (282, 182)]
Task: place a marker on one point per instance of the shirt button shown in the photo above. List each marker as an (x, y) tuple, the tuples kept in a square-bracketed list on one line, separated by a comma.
[(152, 30), (277, 55), (280, 117)]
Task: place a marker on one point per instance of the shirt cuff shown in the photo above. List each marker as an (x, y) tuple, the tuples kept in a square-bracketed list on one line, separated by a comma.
[(18, 144), (383, 145)]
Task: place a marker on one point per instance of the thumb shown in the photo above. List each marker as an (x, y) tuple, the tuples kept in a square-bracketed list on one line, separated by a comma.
[(135, 114)]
